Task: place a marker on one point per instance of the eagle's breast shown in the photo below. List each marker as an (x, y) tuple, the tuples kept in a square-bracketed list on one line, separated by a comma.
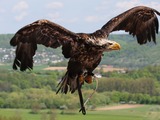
[(88, 56)]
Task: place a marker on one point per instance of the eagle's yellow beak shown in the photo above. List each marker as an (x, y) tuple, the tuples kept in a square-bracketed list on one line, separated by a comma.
[(114, 46)]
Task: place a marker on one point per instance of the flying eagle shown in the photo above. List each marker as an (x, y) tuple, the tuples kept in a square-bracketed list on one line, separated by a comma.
[(84, 50)]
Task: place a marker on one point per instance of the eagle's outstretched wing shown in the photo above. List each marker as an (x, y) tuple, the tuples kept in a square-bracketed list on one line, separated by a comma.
[(139, 21), (41, 32)]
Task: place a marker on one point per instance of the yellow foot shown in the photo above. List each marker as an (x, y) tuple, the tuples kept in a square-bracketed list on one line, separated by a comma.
[(81, 78), (88, 79)]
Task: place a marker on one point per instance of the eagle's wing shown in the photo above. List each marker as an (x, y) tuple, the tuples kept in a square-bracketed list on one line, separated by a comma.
[(41, 32), (139, 21)]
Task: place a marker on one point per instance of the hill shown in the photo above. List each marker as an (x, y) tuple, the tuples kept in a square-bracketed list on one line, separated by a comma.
[(131, 55)]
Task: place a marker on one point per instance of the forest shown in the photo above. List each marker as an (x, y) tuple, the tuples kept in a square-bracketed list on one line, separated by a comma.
[(38, 89)]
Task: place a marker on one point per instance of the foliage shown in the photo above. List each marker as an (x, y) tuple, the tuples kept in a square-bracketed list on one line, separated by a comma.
[(4, 40), (142, 85), (37, 89)]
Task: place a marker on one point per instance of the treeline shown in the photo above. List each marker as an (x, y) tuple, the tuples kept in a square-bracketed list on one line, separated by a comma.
[(142, 85), (35, 98), (145, 81), (14, 81), (4, 40), (38, 89)]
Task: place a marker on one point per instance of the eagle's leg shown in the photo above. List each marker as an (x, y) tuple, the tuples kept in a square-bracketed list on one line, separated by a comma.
[(81, 79), (81, 97)]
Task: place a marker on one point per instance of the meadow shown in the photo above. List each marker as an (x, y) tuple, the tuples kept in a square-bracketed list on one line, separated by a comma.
[(146, 112)]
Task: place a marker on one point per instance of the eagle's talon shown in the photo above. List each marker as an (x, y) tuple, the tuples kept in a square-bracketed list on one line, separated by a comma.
[(88, 79), (83, 110)]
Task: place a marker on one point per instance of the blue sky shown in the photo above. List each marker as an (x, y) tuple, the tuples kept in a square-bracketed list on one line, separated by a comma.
[(75, 15)]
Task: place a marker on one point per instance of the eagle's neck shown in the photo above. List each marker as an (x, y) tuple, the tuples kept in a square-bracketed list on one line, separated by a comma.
[(97, 41)]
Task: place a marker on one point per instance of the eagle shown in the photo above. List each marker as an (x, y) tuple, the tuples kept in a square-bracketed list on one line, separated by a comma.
[(84, 50)]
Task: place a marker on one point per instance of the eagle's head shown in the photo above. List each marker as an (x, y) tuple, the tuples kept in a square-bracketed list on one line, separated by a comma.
[(107, 45), (102, 43), (111, 45)]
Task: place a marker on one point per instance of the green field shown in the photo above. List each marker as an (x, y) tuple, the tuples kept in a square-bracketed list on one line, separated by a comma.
[(147, 112)]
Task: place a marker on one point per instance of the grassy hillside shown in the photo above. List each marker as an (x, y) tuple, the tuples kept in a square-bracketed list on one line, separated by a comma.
[(131, 55)]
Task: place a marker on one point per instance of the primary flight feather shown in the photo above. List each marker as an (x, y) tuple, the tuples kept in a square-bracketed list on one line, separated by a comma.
[(83, 50)]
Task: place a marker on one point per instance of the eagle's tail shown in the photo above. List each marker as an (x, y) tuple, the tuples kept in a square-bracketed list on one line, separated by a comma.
[(71, 83), (68, 83)]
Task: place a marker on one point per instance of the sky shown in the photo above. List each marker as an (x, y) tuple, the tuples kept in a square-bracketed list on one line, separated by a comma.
[(75, 15)]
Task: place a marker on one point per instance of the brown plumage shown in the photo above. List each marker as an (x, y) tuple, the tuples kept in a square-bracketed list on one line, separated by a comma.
[(83, 50)]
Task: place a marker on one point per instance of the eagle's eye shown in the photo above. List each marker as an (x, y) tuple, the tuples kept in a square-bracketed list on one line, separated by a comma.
[(110, 43)]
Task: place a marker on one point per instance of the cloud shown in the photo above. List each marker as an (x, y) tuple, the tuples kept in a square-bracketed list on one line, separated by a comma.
[(2, 10), (20, 10), (70, 20), (20, 6), (127, 4), (123, 5), (21, 16), (103, 5), (73, 20), (54, 5), (94, 18), (91, 18), (53, 16), (155, 5)]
